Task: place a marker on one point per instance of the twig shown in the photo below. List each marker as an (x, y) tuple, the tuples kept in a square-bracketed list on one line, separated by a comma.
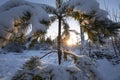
[(74, 56), (48, 53)]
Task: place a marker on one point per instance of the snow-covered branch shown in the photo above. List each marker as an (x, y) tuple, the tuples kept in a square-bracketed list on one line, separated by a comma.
[(14, 11)]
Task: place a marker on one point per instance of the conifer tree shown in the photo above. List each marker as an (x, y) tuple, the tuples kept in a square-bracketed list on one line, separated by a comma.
[(29, 71)]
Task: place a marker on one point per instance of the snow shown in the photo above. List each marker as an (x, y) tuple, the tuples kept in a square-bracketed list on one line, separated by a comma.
[(56, 71), (12, 12), (109, 71), (87, 7), (11, 62), (11, 4), (8, 17), (84, 6), (88, 67), (101, 14)]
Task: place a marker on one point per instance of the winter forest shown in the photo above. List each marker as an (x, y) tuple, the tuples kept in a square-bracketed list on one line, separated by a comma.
[(59, 40)]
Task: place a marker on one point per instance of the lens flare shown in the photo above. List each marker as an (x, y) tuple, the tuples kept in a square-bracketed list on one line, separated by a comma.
[(70, 42)]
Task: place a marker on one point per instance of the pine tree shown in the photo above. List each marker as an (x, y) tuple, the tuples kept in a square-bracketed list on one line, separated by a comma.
[(29, 71), (98, 30)]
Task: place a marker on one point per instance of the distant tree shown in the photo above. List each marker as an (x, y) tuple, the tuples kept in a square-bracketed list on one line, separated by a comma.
[(49, 41)]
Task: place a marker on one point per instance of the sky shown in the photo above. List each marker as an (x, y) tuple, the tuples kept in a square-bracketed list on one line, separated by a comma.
[(112, 6), (109, 4)]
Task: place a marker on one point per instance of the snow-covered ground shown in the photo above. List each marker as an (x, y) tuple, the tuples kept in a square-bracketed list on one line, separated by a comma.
[(11, 62), (108, 71)]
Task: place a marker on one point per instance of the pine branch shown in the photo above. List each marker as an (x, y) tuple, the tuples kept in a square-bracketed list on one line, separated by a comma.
[(74, 56)]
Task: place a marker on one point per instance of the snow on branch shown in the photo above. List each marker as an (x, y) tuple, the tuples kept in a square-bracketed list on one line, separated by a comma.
[(65, 54), (14, 11), (49, 9), (33, 69), (11, 4), (87, 7)]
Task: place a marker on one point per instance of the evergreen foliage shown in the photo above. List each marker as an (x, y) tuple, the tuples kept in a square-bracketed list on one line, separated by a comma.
[(32, 70), (29, 71), (14, 47)]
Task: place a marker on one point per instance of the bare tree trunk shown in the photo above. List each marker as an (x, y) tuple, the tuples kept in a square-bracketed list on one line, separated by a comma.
[(82, 37), (114, 47), (58, 5), (117, 46), (59, 40)]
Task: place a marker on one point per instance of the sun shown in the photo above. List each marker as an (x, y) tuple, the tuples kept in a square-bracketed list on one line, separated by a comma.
[(70, 42)]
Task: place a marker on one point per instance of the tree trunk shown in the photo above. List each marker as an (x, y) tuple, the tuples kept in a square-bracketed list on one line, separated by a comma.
[(82, 37), (59, 40), (114, 47), (117, 45)]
